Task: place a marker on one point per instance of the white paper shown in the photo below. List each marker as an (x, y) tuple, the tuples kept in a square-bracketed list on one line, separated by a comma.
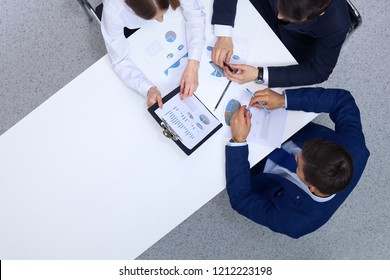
[(159, 49), (188, 118), (267, 129)]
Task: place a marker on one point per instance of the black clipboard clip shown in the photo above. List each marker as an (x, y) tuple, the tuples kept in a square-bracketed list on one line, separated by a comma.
[(168, 131)]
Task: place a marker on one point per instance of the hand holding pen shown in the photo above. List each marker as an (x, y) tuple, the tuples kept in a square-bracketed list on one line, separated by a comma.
[(257, 102), (243, 73), (268, 97)]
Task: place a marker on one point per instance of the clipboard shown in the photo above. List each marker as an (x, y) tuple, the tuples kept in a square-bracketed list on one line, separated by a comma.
[(189, 123)]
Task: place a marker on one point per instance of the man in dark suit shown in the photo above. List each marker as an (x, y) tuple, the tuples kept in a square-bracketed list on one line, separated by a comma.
[(312, 30), (296, 189)]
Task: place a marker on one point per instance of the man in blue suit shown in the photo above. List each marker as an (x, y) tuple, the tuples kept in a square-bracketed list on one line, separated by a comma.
[(312, 30), (296, 189)]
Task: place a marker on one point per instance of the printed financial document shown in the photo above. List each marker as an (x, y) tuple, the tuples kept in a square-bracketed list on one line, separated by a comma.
[(267, 129), (160, 50), (188, 118)]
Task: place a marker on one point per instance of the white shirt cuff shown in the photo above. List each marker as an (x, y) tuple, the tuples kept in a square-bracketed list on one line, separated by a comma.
[(285, 99), (223, 30), (236, 144), (265, 75)]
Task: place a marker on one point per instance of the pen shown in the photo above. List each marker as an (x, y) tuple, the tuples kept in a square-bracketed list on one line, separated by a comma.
[(223, 93), (229, 67), (227, 86), (261, 104)]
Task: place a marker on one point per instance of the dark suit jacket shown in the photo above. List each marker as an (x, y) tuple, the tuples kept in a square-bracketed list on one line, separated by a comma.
[(275, 202), (315, 44)]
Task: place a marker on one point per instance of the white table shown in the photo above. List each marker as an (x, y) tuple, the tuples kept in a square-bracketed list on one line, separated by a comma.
[(88, 174)]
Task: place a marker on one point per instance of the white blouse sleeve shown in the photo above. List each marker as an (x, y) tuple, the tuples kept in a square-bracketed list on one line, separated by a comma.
[(118, 48), (195, 18)]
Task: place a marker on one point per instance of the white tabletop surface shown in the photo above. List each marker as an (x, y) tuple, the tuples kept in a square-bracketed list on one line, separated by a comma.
[(88, 174)]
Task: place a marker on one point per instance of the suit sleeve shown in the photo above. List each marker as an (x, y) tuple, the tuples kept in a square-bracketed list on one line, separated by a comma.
[(247, 198), (339, 103), (224, 12), (238, 183), (311, 72)]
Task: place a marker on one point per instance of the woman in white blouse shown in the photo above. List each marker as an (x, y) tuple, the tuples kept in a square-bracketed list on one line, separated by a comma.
[(133, 14)]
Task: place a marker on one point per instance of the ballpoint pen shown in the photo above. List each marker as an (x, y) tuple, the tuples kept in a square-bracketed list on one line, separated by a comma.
[(223, 93), (261, 104), (229, 67), (227, 86)]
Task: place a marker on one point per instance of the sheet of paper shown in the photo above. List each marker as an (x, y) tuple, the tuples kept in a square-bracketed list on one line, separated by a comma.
[(188, 118), (159, 49), (267, 129), (213, 79)]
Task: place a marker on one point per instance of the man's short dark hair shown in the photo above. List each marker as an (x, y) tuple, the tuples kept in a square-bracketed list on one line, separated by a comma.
[(302, 9), (326, 165)]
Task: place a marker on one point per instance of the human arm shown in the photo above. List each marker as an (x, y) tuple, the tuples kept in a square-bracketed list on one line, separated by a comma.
[(326, 34), (240, 124), (339, 103), (243, 73), (189, 81), (242, 196), (269, 98), (260, 198), (253, 199), (153, 96), (224, 13), (118, 49), (195, 23), (222, 50), (315, 71)]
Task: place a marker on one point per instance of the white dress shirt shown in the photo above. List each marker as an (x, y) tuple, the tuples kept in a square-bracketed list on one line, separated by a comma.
[(117, 15), (273, 168)]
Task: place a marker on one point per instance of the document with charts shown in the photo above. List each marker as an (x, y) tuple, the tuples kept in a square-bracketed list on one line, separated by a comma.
[(212, 77), (159, 49), (188, 122), (267, 129)]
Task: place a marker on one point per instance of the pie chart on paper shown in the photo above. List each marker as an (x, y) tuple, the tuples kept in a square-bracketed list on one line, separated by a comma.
[(170, 36), (232, 106)]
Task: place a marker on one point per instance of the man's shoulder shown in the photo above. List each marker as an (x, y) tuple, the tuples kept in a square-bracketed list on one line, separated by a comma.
[(299, 212), (336, 18)]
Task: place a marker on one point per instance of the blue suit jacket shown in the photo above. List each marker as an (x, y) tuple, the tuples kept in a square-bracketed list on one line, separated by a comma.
[(315, 44), (275, 202)]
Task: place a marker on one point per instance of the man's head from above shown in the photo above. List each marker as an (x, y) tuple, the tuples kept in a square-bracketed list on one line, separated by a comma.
[(324, 166), (152, 9), (301, 10)]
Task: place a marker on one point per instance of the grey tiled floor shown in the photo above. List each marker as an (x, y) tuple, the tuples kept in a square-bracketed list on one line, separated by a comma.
[(45, 44)]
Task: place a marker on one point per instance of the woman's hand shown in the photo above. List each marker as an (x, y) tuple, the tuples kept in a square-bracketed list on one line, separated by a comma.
[(153, 96), (189, 82)]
